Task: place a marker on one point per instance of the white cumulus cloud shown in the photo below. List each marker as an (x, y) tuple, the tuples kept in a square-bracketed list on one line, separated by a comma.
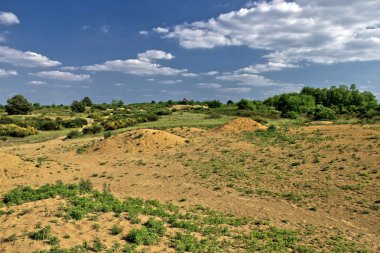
[(59, 75), (8, 18), (316, 31), (144, 65), (37, 83), (209, 85), (161, 30), (25, 59), (155, 55)]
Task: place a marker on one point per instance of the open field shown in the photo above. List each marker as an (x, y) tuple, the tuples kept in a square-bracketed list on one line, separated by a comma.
[(194, 186)]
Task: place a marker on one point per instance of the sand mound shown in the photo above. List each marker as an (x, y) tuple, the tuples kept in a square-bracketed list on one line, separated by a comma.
[(241, 125), (140, 140)]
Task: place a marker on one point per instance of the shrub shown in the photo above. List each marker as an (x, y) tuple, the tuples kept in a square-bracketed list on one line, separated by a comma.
[(185, 242), (163, 112), (94, 129), (16, 131), (85, 186), (272, 128), (77, 106), (142, 236), (42, 234), (155, 226), (18, 104), (74, 123), (324, 113), (115, 230), (97, 245), (117, 124), (107, 134), (48, 125), (73, 134)]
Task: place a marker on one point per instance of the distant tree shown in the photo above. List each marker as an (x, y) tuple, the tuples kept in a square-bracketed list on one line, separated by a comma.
[(37, 106), (87, 101), (230, 102), (18, 104), (117, 104), (213, 103), (244, 104), (292, 102), (343, 99), (120, 104), (78, 106)]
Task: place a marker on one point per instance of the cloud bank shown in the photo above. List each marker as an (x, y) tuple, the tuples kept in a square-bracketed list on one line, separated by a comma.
[(316, 31)]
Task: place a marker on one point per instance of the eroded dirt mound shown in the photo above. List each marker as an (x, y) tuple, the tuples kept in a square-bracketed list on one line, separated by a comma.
[(140, 140), (241, 125)]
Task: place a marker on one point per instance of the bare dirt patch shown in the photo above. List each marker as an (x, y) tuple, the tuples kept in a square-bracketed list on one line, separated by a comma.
[(143, 140), (241, 125)]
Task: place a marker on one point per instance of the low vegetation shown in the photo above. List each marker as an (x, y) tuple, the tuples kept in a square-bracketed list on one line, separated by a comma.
[(196, 230)]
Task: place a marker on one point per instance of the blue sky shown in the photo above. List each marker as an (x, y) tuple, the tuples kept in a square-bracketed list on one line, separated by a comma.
[(58, 51)]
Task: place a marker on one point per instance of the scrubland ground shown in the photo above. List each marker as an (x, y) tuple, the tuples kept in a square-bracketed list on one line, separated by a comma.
[(235, 188)]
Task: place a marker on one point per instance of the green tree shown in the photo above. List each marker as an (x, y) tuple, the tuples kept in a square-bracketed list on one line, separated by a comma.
[(244, 104), (230, 102), (18, 104), (37, 106), (213, 103), (87, 101), (78, 106)]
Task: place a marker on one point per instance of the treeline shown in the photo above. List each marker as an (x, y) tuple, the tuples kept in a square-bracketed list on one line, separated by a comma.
[(325, 103)]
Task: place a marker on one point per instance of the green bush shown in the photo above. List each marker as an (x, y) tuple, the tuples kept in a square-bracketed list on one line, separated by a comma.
[(93, 129), (78, 106), (115, 230), (324, 113), (49, 125), (186, 243), (155, 226), (18, 104), (74, 123), (107, 134), (163, 112), (16, 131), (73, 134), (42, 234), (142, 236)]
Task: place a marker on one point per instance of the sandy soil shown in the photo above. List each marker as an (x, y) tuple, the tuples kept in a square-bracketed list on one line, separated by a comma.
[(154, 164)]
